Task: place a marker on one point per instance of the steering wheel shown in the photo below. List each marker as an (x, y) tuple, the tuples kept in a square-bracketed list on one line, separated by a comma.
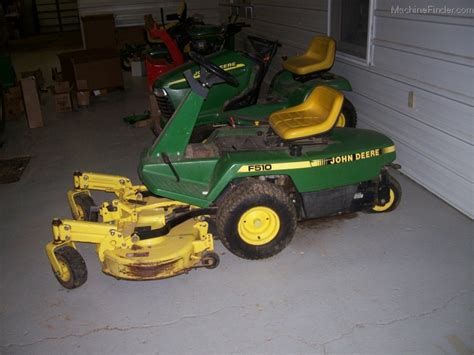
[(214, 69)]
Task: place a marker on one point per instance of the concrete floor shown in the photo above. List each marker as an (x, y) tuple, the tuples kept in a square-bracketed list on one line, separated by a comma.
[(393, 283)]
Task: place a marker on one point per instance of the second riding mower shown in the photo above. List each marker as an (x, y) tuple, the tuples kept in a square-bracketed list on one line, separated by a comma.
[(205, 39), (241, 105), (255, 182)]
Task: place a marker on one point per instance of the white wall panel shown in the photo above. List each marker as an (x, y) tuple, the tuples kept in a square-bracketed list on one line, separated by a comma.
[(130, 13), (430, 55)]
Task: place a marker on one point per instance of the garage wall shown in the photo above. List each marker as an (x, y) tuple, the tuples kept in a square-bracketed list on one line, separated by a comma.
[(292, 23), (431, 56), (130, 13)]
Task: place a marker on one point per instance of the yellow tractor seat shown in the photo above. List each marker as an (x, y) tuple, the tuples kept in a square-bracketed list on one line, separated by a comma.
[(319, 57), (316, 115)]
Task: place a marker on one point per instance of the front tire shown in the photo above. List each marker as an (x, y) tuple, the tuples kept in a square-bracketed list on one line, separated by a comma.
[(73, 267), (256, 220), (348, 115)]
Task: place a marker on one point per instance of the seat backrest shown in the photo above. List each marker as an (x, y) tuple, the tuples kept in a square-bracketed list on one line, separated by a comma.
[(328, 102), (323, 48)]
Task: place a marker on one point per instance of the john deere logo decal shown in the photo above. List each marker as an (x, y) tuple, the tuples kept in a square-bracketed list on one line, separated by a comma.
[(226, 67), (339, 159), (351, 157)]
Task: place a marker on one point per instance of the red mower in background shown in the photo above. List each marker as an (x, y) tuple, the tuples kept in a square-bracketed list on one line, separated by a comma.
[(167, 57)]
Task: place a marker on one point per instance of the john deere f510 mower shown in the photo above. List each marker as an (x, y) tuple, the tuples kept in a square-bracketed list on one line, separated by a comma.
[(239, 105), (255, 181)]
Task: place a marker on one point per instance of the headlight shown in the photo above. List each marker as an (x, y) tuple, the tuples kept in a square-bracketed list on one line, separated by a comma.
[(159, 92), (199, 45)]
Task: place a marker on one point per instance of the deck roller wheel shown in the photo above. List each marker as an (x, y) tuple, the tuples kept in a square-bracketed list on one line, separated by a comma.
[(85, 204), (73, 267), (210, 260)]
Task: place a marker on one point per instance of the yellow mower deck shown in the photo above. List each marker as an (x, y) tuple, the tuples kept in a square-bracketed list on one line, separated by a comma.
[(126, 245), (162, 257)]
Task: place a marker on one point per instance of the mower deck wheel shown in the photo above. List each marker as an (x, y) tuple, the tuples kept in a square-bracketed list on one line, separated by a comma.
[(394, 200), (256, 220), (84, 204), (73, 267), (210, 260)]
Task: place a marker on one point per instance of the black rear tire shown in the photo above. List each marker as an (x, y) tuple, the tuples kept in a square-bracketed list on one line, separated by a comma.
[(70, 258), (257, 198), (349, 114)]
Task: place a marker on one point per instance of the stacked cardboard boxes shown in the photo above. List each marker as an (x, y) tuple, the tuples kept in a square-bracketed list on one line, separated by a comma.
[(62, 96), (13, 101), (99, 67), (82, 93)]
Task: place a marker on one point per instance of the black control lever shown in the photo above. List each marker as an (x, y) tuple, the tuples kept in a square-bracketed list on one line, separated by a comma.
[(166, 160)]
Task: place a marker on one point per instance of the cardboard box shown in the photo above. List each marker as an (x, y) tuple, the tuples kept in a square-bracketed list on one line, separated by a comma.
[(13, 101), (62, 96), (83, 98), (99, 31), (38, 75), (138, 68), (99, 67), (130, 35), (83, 94), (81, 85), (32, 104)]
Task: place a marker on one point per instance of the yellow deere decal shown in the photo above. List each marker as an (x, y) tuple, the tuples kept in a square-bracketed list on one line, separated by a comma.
[(317, 162), (387, 150), (226, 67)]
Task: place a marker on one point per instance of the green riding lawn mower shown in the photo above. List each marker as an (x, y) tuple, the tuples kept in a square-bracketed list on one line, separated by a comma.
[(241, 105), (254, 182)]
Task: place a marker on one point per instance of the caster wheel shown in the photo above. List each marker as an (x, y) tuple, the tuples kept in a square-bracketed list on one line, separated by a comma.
[(73, 267), (210, 260), (84, 204)]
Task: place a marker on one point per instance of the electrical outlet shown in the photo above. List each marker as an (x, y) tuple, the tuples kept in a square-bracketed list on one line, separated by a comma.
[(411, 99)]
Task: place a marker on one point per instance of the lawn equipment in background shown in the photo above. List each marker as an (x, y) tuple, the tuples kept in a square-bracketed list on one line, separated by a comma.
[(176, 27), (206, 39), (255, 182), (131, 52), (160, 58), (238, 105)]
